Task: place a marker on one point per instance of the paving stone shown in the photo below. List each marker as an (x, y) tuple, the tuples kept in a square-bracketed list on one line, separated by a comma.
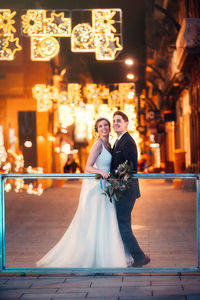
[(10, 294), (33, 296), (15, 284), (193, 297), (165, 280), (190, 279), (38, 291), (135, 291), (55, 296), (136, 278), (102, 298), (136, 283), (107, 282), (167, 290), (191, 289), (153, 298), (105, 292), (67, 284)]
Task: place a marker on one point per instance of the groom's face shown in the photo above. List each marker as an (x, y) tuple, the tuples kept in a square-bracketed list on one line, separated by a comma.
[(119, 125)]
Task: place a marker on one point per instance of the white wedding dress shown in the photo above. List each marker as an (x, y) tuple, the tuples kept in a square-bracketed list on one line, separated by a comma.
[(92, 240)]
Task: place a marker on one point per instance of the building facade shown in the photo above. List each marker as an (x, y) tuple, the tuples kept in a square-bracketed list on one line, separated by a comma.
[(173, 80)]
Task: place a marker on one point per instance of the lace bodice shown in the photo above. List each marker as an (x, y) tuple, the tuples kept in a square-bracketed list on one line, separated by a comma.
[(103, 161)]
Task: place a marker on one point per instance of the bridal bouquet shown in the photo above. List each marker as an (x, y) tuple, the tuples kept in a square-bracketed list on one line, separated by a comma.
[(119, 181)]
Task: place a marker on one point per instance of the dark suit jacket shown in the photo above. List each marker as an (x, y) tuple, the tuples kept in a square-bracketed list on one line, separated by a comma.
[(126, 150)]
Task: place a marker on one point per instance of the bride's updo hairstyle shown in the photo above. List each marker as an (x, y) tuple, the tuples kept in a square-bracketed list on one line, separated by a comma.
[(97, 123)]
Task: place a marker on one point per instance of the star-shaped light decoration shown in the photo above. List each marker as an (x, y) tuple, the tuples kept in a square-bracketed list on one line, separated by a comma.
[(114, 45), (12, 46), (58, 25), (6, 22), (108, 50), (4, 55), (58, 18)]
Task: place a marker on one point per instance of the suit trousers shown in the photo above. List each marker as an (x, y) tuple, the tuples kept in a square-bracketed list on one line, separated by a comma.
[(123, 208)]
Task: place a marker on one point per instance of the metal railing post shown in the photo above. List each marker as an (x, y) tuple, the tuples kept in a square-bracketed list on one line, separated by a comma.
[(1, 222), (198, 221)]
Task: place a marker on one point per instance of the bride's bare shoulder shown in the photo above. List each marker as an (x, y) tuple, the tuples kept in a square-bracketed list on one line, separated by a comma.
[(97, 146)]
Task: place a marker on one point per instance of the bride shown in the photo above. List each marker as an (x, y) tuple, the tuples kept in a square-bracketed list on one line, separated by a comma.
[(92, 240)]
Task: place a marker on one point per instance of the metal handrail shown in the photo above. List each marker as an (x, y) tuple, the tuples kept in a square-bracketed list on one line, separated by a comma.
[(92, 175), (4, 269)]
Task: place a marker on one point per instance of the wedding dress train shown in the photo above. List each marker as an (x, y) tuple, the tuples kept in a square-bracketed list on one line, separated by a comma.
[(92, 240)]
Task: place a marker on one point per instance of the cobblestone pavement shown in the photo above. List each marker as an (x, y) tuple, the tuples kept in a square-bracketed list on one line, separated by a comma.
[(163, 221)]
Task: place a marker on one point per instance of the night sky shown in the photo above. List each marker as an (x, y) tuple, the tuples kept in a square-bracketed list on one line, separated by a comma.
[(133, 14)]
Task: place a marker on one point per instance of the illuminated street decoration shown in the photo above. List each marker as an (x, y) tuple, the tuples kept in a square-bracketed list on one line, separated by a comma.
[(65, 116), (14, 163), (44, 48), (100, 37), (82, 105), (63, 98), (90, 117), (102, 20), (74, 93), (103, 91), (81, 125), (124, 93), (113, 99), (9, 45), (36, 23), (90, 92), (44, 94), (6, 21), (45, 26), (130, 111), (43, 30)]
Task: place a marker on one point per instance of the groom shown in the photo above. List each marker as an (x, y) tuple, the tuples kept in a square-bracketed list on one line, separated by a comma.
[(125, 149)]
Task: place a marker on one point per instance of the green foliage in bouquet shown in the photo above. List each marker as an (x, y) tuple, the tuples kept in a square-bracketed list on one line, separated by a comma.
[(119, 181)]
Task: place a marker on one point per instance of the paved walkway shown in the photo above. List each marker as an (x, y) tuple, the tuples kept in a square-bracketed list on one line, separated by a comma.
[(135, 287), (163, 221)]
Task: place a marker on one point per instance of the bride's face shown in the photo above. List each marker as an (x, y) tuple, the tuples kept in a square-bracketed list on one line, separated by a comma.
[(103, 129)]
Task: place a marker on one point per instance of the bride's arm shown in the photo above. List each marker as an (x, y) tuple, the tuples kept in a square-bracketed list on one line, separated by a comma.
[(94, 153)]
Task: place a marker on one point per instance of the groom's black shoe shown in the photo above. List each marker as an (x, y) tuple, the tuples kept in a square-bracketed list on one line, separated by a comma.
[(142, 262)]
